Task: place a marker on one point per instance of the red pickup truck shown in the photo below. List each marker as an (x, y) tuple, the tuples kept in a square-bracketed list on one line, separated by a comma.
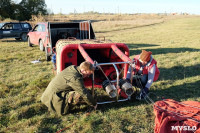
[(46, 34)]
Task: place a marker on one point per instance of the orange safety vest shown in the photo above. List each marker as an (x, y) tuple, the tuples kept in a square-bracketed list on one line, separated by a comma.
[(146, 68)]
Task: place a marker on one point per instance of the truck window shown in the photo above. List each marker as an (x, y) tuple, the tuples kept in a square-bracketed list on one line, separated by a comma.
[(43, 28), (1, 24), (16, 26), (26, 26), (35, 28), (8, 26), (39, 28)]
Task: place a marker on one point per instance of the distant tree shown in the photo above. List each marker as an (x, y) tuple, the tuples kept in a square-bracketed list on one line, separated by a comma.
[(31, 7), (7, 9), (22, 11)]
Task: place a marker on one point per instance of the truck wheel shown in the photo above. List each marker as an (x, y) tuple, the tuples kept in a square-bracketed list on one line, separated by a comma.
[(41, 45), (29, 42), (24, 37)]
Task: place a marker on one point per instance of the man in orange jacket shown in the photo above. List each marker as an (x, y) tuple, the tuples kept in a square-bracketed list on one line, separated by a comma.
[(145, 71)]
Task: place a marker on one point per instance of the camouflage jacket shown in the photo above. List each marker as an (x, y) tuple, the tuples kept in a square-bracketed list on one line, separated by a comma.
[(70, 79)]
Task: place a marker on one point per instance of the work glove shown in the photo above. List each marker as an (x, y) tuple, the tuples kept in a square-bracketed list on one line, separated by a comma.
[(143, 94), (128, 80)]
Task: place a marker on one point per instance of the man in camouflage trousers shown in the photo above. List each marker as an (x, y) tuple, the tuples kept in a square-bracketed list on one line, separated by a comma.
[(67, 87)]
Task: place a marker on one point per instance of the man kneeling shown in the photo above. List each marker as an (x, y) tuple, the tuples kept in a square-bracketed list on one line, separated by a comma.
[(67, 87)]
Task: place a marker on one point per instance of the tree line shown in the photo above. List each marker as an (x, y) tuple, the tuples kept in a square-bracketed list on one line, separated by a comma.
[(23, 10)]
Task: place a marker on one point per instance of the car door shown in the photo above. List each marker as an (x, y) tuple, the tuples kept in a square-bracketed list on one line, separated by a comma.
[(7, 30), (17, 30), (34, 35), (44, 35), (38, 34)]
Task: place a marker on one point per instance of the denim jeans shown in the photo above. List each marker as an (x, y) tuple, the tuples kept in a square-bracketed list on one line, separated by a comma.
[(140, 81)]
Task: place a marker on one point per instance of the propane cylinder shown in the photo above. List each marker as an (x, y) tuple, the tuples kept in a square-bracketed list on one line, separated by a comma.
[(126, 87), (109, 88)]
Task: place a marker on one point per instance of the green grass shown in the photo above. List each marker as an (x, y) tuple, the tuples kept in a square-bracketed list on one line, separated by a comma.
[(175, 45)]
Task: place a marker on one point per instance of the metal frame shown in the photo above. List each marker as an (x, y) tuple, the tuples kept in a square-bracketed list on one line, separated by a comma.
[(98, 65)]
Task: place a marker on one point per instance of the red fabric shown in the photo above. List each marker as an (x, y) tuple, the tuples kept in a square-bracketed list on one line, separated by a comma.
[(109, 72), (166, 116)]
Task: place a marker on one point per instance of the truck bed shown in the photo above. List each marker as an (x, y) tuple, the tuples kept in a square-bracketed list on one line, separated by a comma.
[(63, 33)]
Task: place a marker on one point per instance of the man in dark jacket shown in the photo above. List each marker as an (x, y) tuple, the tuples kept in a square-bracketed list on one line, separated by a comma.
[(66, 88)]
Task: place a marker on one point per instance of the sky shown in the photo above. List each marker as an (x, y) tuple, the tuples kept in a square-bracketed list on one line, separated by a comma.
[(123, 6)]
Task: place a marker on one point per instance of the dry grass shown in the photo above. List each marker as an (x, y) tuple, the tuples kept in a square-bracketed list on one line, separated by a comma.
[(174, 43)]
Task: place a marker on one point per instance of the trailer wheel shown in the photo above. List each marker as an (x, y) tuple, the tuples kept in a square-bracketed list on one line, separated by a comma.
[(41, 45), (29, 42)]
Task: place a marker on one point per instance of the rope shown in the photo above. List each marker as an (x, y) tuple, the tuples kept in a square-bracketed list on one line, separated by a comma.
[(66, 127), (185, 104), (181, 110), (175, 113)]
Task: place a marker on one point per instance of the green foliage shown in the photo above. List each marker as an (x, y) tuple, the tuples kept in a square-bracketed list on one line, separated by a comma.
[(22, 11), (31, 7), (7, 8)]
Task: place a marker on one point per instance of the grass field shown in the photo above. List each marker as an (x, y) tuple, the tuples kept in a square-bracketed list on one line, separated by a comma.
[(175, 44)]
